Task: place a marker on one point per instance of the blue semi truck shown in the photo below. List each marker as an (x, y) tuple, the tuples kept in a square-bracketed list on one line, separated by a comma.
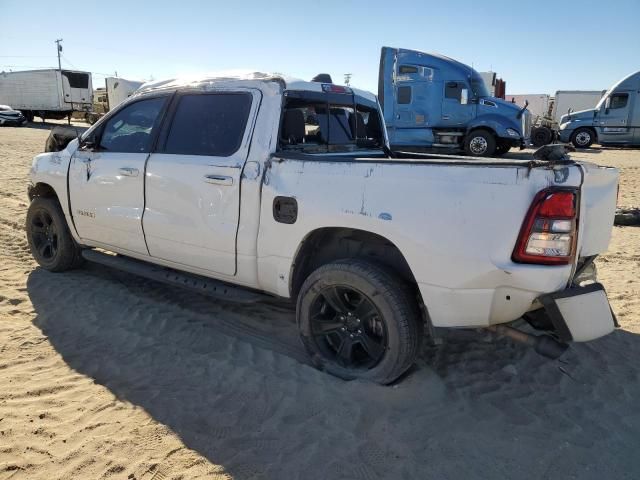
[(615, 120), (434, 102)]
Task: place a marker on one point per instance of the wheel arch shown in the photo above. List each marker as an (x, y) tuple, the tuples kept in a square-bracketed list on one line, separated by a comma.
[(326, 244), (485, 128), (43, 189), (591, 128)]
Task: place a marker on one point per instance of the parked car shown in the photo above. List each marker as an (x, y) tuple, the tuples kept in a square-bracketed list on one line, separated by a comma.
[(10, 117), (218, 185)]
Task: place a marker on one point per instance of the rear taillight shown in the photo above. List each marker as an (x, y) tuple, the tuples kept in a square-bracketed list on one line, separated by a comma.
[(548, 233)]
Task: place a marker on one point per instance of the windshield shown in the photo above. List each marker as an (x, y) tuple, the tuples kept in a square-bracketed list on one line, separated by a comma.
[(602, 100), (478, 86), (321, 124)]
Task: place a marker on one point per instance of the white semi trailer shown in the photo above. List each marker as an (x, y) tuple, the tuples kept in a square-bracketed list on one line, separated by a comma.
[(50, 93), (576, 100), (116, 91)]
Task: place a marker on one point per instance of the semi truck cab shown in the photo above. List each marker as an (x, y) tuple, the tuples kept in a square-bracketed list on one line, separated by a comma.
[(432, 101), (615, 120)]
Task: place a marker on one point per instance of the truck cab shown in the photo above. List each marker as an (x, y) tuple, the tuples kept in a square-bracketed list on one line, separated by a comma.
[(615, 120), (434, 102)]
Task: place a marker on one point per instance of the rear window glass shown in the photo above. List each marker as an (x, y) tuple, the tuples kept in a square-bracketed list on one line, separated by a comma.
[(77, 80), (209, 124)]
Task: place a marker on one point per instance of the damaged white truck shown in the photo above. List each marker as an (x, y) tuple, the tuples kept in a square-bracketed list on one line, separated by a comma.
[(246, 186)]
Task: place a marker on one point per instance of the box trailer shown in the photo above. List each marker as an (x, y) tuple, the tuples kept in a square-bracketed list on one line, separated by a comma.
[(576, 100), (50, 93), (538, 103)]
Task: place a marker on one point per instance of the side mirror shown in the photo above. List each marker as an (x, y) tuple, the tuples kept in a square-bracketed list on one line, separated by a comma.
[(607, 105), (88, 144), (464, 96)]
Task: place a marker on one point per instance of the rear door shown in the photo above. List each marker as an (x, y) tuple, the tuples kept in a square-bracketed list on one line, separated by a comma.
[(193, 179), (76, 87), (614, 119), (106, 176)]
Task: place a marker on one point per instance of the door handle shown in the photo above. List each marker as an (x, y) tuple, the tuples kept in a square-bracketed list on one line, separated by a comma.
[(219, 179), (129, 172)]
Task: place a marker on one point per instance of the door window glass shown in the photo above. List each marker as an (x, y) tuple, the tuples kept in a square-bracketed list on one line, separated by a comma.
[(209, 124), (130, 130), (453, 90), (618, 100)]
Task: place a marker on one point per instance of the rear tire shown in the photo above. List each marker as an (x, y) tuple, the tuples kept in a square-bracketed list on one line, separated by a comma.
[(480, 143), (50, 241), (359, 321), (583, 138)]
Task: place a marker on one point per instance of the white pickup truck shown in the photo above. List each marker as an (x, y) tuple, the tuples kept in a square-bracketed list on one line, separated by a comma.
[(289, 188)]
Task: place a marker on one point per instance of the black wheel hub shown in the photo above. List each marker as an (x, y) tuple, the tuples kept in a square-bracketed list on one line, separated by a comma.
[(44, 234), (348, 328)]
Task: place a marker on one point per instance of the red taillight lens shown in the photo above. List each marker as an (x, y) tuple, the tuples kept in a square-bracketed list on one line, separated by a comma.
[(548, 232), (558, 204)]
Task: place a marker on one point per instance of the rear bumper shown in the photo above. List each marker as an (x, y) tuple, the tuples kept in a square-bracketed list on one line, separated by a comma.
[(578, 314)]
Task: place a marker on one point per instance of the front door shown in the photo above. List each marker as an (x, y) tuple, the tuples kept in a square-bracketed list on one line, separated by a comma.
[(457, 109), (193, 180), (613, 118), (106, 178)]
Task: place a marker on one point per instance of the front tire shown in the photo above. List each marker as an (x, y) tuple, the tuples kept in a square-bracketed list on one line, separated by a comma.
[(50, 241), (359, 321), (583, 138), (502, 149), (480, 143)]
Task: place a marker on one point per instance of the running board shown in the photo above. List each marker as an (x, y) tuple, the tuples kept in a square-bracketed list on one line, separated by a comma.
[(206, 286)]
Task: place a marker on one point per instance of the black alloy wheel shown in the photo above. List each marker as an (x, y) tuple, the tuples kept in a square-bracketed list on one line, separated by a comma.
[(348, 328)]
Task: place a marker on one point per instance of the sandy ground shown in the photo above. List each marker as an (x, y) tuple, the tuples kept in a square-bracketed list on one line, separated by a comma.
[(103, 375)]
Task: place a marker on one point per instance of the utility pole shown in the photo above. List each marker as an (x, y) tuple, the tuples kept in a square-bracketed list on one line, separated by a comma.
[(347, 78), (59, 49)]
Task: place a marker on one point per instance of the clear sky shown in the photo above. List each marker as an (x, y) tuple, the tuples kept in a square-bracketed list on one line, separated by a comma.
[(536, 46)]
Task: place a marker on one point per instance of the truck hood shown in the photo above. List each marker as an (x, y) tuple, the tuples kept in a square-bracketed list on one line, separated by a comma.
[(579, 116), (507, 107)]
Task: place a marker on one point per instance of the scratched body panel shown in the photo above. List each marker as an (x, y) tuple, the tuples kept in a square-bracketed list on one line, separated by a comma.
[(456, 225)]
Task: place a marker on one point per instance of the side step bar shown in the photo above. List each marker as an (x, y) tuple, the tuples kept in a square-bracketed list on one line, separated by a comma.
[(206, 286)]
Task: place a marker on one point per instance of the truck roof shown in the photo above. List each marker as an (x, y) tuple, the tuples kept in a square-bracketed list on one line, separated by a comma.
[(630, 82), (243, 77), (45, 70), (437, 60)]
